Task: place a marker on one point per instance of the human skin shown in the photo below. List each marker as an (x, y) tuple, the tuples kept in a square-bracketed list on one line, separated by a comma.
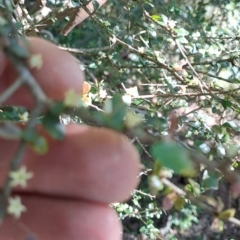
[(68, 197)]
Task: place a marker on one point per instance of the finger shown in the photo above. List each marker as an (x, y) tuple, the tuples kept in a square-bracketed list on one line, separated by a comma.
[(59, 73), (90, 163), (60, 219)]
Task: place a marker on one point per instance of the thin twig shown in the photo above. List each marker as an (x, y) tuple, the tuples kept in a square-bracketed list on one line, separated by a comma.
[(86, 50), (9, 92)]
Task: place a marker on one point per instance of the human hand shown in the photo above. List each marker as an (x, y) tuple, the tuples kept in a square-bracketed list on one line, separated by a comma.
[(73, 184)]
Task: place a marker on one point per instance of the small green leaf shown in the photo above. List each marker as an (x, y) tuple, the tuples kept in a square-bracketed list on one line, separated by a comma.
[(132, 120), (92, 65), (182, 40), (181, 32), (95, 5), (210, 181), (217, 129), (194, 187), (57, 108), (19, 51), (220, 150), (40, 145), (170, 86), (156, 17), (204, 148), (53, 126), (158, 123), (214, 110), (173, 156), (118, 112), (232, 149), (226, 103), (164, 18), (226, 137), (159, 56), (37, 142), (114, 115), (30, 135), (232, 125)]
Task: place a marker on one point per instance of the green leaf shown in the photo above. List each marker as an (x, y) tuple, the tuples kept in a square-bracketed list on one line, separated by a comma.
[(159, 56), (214, 110), (195, 187), (170, 86), (53, 126), (156, 17), (217, 129), (40, 145), (92, 65), (95, 5), (158, 123), (57, 108), (164, 18), (37, 142), (30, 135), (149, 4), (226, 137), (182, 40), (114, 115), (232, 125), (226, 103), (19, 51), (118, 113), (210, 181), (232, 149), (181, 32), (204, 148), (173, 156), (220, 150)]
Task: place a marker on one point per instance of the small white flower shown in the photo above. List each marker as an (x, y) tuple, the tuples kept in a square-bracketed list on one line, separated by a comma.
[(20, 177), (106, 23), (132, 91), (24, 116), (113, 39), (141, 49), (102, 93), (171, 24), (196, 35), (35, 61), (15, 207), (127, 99), (102, 54)]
